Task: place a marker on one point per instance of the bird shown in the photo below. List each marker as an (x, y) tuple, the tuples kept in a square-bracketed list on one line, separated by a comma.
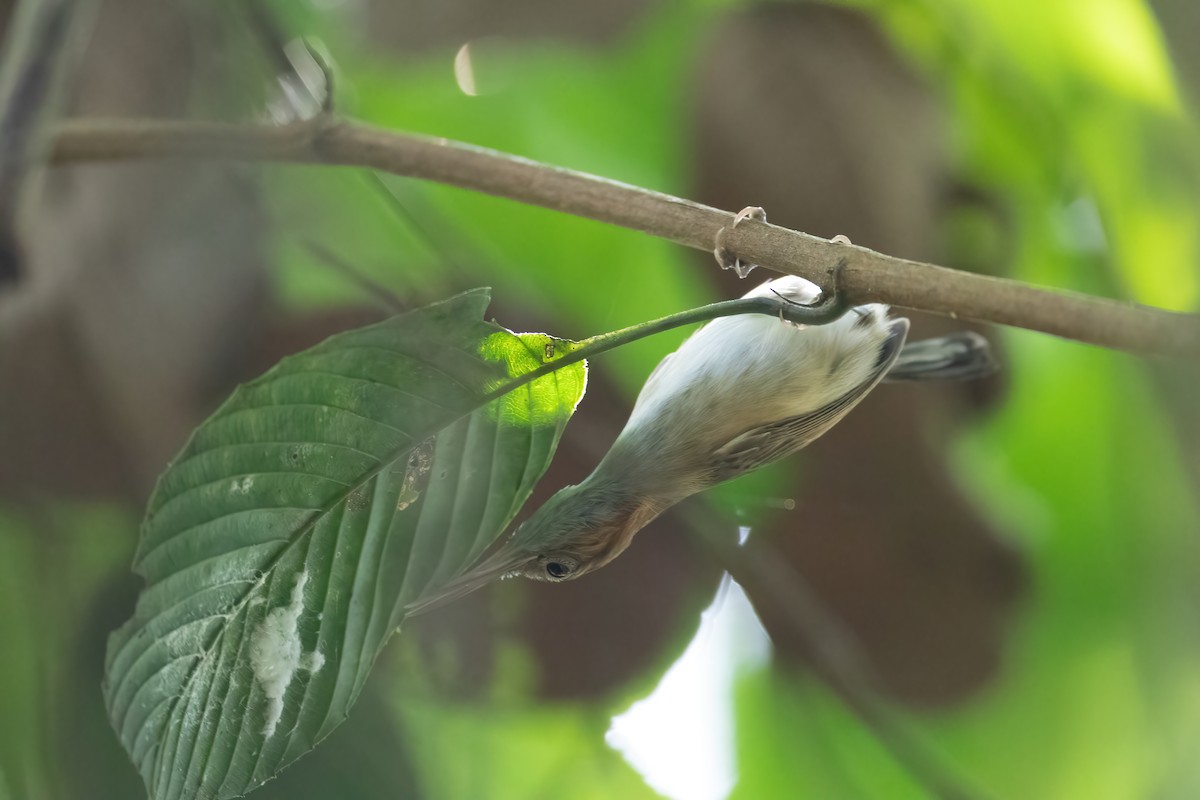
[(741, 392)]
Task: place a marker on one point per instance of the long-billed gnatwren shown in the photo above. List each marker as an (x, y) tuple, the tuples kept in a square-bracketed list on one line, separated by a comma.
[(741, 392)]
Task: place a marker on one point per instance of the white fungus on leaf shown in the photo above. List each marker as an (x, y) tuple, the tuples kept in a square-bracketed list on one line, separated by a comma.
[(275, 654), (243, 486)]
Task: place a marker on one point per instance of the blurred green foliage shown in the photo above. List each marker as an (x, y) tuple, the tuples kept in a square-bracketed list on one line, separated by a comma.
[(1069, 112), (499, 751), (1058, 103), (55, 562)]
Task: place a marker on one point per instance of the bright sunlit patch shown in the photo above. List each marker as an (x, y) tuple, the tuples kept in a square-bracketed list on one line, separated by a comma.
[(1158, 246), (681, 738), (1119, 42), (464, 71), (304, 89)]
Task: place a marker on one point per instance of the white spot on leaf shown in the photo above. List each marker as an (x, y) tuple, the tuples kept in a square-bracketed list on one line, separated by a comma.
[(275, 654), (242, 486)]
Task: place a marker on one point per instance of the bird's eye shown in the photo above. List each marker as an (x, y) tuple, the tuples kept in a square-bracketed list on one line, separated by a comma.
[(557, 570)]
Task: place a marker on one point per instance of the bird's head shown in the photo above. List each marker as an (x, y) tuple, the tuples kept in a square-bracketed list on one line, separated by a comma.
[(577, 531)]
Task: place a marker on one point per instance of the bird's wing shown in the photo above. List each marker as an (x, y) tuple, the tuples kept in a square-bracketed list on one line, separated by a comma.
[(964, 355), (760, 446)]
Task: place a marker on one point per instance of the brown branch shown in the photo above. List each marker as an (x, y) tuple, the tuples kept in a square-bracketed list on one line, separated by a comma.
[(867, 276)]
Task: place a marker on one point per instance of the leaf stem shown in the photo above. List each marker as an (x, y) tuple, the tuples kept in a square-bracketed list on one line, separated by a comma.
[(828, 310), (832, 306)]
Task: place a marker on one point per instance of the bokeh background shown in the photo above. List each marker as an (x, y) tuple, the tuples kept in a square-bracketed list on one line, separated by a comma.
[(1012, 565)]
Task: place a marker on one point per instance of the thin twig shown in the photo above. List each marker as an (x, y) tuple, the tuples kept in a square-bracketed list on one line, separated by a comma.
[(867, 276), (373, 289)]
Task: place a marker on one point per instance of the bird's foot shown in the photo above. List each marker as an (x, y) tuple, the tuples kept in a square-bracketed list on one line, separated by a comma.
[(725, 257)]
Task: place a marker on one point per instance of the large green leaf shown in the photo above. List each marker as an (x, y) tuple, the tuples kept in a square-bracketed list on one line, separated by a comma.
[(283, 545)]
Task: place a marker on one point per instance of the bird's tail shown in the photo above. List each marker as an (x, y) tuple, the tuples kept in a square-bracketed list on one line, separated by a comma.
[(960, 356)]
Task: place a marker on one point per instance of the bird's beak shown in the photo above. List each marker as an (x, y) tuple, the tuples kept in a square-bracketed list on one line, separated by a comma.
[(497, 565)]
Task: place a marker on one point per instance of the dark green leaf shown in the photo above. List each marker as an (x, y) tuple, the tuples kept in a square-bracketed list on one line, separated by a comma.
[(284, 543)]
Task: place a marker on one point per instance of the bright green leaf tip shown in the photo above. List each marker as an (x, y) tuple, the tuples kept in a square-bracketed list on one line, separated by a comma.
[(549, 396)]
